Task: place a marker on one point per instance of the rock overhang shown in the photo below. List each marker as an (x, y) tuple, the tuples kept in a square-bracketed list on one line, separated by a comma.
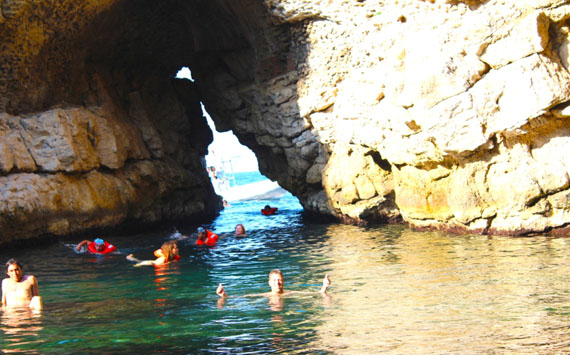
[(367, 112)]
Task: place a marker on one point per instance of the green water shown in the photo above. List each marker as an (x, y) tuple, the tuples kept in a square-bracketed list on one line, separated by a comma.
[(394, 291)]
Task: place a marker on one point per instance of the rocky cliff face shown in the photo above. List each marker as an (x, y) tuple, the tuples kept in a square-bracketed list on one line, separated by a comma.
[(94, 130), (446, 114)]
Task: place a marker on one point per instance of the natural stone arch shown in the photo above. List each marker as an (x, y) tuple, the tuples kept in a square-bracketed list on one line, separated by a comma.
[(359, 113)]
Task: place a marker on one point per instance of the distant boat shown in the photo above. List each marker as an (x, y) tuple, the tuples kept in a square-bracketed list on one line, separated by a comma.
[(261, 190), (224, 183)]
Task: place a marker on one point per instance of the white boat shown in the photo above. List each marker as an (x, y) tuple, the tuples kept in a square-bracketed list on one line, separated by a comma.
[(223, 180), (262, 190)]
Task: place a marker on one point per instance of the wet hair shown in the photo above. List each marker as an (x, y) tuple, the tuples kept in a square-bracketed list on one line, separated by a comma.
[(275, 272), (167, 248), (239, 224), (13, 262)]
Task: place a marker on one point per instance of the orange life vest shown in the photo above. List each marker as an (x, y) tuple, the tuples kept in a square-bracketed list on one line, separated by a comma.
[(109, 248), (210, 241), (268, 212)]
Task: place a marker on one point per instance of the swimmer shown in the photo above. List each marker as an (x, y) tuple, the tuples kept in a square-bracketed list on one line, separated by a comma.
[(240, 230), (268, 210), (206, 237), (98, 246), (177, 235), (276, 282), (20, 290), (168, 252)]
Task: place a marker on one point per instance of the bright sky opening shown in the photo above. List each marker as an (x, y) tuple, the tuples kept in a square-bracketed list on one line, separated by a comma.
[(225, 152)]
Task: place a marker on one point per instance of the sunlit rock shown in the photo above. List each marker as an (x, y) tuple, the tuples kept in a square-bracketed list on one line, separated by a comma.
[(447, 114)]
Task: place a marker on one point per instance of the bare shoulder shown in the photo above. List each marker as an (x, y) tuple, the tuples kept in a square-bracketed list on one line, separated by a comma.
[(30, 278)]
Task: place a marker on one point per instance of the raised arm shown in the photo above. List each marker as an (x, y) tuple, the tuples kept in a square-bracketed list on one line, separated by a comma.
[(80, 245), (221, 292), (326, 284)]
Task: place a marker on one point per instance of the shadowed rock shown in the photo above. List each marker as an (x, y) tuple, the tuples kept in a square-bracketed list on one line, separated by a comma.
[(446, 114)]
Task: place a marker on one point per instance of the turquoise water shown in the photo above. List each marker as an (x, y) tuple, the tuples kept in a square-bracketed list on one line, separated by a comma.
[(394, 290), (249, 177)]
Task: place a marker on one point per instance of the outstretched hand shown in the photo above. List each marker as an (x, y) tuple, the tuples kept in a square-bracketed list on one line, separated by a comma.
[(220, 291), (326, 283)]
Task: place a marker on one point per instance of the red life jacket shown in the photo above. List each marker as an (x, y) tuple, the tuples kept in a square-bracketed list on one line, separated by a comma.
[(109, 248), (269, 211), (210, 241)]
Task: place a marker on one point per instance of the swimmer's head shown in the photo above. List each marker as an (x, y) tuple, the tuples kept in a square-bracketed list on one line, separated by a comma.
[(14, 269), (240, 229), (99, 244), (275, 272), (276, 281), (169, 250), (202, 234), (13, 262)]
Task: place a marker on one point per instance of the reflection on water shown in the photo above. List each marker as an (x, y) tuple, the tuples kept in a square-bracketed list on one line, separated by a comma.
[(20, 327), (437, 293), (393, 290)]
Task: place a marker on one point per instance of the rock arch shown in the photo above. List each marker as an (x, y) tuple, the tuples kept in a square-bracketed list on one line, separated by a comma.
[(452, 119)]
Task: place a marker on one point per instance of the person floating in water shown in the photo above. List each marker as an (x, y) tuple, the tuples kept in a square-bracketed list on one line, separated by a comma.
[(268, 210), (98, 246), (206, 237), (20, 290), (276, 282), (168, 252), (240, 230)]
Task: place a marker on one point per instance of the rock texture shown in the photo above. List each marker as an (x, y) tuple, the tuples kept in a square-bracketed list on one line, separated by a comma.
[(89, 136), (447, 114)]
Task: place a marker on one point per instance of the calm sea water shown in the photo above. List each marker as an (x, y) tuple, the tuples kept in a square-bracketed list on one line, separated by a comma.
[(394, 291)]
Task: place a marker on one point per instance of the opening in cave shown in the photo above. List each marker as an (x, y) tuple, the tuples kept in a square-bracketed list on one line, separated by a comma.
[(232, 165), (225, 151)]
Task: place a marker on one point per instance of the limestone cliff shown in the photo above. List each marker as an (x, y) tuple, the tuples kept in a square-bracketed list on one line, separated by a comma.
[(444, 113), (93, 132)]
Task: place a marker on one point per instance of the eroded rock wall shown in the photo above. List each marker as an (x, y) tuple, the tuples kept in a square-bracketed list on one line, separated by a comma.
[(444, 113), (95, 132), (448, 114), (463, 108)]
